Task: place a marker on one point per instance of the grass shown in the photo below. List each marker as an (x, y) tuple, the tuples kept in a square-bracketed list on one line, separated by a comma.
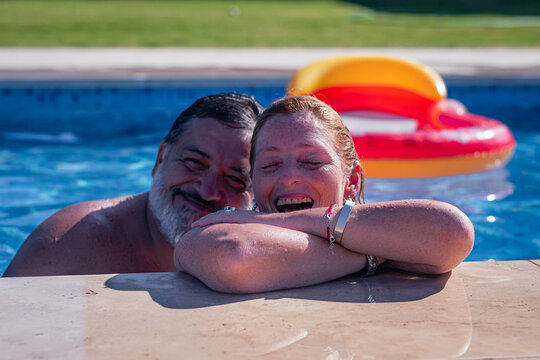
[(263, 24)]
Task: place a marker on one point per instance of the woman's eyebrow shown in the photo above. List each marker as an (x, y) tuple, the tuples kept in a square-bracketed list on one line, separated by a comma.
[(301, 146), (275, 148), (267, 149), (308, 145)]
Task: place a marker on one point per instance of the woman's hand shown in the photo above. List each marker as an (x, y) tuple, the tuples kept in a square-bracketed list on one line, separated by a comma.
[(231, 217)]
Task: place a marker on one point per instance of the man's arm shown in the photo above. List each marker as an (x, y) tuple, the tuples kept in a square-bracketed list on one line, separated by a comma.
[(248, 258)]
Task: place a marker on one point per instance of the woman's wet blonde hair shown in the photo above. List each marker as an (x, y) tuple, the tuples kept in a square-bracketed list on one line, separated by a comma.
[(329, 118)]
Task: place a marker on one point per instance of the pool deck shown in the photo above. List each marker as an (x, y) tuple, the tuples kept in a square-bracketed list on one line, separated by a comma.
[(143, 63), (482, 310)]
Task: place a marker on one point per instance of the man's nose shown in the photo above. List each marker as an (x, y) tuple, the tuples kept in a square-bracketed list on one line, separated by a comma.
[(210, 187)]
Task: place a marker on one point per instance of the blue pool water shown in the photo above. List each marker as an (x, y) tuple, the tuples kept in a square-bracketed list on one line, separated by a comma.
[(65, 142)]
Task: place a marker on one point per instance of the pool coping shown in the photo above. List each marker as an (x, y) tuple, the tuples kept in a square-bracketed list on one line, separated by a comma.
[(211, 63), (482, 310)]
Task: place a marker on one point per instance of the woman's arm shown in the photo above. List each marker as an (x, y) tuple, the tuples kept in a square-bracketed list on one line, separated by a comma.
[(422, 236), (416, 235), (247, 258)]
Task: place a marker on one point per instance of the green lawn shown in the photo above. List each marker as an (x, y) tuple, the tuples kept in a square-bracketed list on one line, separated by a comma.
[(267, 23)]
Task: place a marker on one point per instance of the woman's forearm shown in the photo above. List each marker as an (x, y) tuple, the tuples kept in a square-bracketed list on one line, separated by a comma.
[(418, 235), (425, 236), (245, 258), (435, 236)]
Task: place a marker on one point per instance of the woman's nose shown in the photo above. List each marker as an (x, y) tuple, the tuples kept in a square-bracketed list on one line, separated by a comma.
[(290, 175)]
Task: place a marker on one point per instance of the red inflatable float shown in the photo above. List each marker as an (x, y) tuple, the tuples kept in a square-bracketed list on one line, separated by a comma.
[(402, 124)]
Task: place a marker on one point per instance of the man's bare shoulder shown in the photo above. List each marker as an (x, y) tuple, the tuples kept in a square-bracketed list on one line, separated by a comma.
[(81, 238), (66, 218), (85, 219)]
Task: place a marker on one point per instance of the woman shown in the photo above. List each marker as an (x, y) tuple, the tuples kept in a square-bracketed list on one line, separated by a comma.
[(304, 166)]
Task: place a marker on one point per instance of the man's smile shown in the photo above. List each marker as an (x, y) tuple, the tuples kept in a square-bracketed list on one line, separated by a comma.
[(195, 201)]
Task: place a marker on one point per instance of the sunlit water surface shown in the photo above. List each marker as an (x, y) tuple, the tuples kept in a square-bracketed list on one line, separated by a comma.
[(62, 143)]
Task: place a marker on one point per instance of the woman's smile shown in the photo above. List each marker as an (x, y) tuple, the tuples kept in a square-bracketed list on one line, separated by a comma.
[(296, 167), (286, 203)]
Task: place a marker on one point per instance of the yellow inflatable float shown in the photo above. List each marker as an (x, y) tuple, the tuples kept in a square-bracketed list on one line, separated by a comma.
[(402, 123)]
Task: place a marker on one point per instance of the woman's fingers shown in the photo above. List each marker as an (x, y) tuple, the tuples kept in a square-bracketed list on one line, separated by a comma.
[(214, 218), (228, 216), (221, 216)]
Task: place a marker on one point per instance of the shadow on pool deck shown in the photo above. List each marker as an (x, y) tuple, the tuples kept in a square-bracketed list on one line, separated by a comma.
[(181, 291)]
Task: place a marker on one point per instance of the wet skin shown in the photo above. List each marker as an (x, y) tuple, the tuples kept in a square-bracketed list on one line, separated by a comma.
[(296, 165), (207, 168), (201, 174)]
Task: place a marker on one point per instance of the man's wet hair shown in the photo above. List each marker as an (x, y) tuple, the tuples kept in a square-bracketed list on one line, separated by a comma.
[(233, 110)]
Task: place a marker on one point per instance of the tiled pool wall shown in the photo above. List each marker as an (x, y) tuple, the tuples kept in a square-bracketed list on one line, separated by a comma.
[(66, 106), (516, 101)]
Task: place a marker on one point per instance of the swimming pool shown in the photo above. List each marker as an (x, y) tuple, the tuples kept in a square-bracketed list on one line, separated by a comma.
[(69, 141)]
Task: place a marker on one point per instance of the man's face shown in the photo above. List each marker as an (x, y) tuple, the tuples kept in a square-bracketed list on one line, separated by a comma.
[(206, 169)]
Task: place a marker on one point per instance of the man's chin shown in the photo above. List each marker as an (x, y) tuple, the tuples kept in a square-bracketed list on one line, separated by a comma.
[(176, 211), (180, 223), (174, 221)]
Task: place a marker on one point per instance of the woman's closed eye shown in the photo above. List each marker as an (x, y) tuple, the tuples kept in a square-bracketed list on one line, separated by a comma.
[(312, 164), (269, 166)]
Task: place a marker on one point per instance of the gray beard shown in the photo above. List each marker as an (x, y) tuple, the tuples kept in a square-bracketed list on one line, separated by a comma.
[(173, 221)]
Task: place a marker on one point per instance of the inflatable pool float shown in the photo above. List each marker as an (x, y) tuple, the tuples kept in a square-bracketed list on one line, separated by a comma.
[(402, 122)]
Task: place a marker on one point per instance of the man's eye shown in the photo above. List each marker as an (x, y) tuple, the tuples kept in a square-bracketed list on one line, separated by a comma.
[(193, 164), (237, 183)]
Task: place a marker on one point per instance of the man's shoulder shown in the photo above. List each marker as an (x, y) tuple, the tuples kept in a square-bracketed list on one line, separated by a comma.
[(80, 220), (71, 215), (78, 237)]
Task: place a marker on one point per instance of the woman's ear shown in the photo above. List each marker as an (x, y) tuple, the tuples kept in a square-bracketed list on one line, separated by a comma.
[(353, 183), (159, 158)]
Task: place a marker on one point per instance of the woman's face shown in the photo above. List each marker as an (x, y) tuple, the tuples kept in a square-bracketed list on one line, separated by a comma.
[(296, 166)]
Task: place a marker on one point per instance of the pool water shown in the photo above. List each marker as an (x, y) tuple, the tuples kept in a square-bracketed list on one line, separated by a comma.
[(71, 141)]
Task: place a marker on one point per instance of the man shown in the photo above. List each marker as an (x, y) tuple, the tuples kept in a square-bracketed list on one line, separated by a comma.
[(202, 166)]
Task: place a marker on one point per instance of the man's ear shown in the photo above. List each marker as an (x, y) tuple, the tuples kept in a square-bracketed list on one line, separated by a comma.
[(354, 181), (159, 158)]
